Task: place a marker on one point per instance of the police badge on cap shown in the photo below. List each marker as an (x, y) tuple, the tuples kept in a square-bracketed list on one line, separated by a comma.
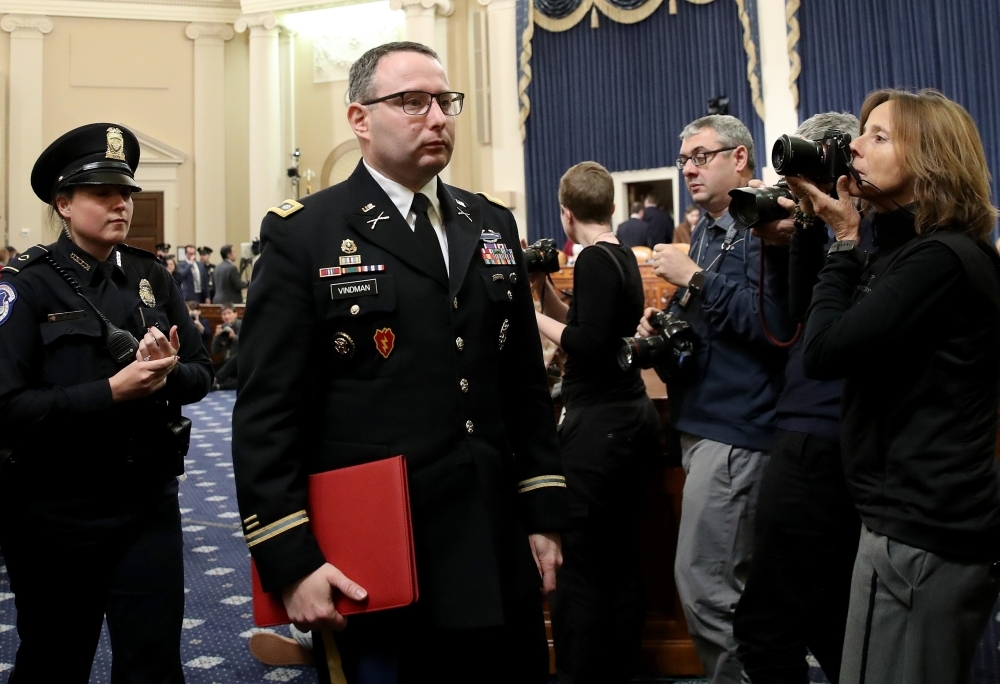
[(95, 154)]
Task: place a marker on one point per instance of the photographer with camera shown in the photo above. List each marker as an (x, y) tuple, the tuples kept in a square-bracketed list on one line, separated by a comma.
[(723, 404), (229, 285), (914, 331), (609, 429), (227, 342), (806, 533)]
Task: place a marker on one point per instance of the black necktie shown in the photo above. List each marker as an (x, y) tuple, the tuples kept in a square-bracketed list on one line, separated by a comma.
[(425, 231)]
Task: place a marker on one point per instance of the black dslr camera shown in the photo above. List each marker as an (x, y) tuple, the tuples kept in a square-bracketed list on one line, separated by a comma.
[(822, 161), (542, 256), (671, 351)]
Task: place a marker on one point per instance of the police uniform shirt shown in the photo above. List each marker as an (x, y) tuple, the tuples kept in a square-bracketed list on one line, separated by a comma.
[(402, 198), (55, 366)]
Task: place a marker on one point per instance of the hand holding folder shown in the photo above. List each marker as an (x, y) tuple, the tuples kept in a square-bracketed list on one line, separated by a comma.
[(360, 516)]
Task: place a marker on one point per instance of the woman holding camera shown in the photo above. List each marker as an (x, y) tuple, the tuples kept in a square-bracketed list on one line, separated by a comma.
[(92, 434), (609, 430), (914, 329)]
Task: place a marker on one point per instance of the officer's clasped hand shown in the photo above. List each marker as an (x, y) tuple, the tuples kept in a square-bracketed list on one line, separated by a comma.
[(155, 359)]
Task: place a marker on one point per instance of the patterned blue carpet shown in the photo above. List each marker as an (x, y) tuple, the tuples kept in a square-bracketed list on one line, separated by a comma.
[(218, 618)]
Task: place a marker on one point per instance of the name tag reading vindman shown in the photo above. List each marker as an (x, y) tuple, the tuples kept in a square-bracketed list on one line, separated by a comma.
[(354, 288)]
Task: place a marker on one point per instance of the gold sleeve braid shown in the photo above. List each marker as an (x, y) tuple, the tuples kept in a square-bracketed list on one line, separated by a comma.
[(539, 482), (275, 528)]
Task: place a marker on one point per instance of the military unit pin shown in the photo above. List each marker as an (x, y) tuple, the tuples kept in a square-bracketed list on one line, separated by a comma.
[(348, 247), (343, 345), (385, 340)]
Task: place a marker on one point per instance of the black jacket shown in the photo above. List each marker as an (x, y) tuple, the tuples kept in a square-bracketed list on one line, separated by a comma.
[(916, 332), (54, 366), (460, 391)]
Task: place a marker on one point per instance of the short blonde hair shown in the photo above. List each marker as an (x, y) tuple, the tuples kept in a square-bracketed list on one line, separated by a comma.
[(588, 191), (941, 148)]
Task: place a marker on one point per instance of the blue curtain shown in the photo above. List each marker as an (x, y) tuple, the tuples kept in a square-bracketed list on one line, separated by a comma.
[(851, 47), (620, 95)]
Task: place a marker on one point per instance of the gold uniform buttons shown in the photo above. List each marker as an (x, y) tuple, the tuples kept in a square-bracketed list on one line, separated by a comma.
[(464, 385), (355, 310), (509, 295), (513, 279), (454, 303), (469, 427), (460, 343)]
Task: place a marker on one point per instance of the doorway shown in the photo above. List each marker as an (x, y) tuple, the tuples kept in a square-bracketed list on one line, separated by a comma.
[(146, 231)]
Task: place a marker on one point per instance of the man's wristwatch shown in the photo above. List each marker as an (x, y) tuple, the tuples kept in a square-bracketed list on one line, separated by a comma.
[(696, 283)]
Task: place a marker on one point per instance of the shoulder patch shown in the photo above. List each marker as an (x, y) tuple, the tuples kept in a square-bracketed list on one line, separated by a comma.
[(491, 199), (8, 295), (25, 259), (138, 250), (286, 208)]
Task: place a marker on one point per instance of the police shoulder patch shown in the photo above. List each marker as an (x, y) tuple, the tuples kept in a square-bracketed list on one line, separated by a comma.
[(25, 259), (490, 198), (286, 208), (8, 295)]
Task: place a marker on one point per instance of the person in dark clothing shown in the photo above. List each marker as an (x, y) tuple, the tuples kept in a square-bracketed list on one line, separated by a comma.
[(227, 342), (89, 458), (914, 332), (609, 429), (661, 223), (806, 531), (682, 233), (635, 231)]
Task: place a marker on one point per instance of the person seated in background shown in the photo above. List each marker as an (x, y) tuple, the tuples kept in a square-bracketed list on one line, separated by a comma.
[(682, 233), (227, 343), (635, 231), (609, 430), (194, 308)]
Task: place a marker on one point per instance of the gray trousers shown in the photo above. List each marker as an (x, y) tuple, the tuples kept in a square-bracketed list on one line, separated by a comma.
[(915, 617), (714, 546)]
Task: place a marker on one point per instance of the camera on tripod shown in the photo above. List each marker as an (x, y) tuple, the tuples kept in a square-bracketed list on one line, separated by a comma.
[(542, 256), (821, 161), (671, 350)]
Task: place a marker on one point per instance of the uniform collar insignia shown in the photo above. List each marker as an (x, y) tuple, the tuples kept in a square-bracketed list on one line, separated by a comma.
[(367, 208), (459, 202), (79, 261)]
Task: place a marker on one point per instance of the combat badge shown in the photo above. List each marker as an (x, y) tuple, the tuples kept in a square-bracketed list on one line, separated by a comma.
[(490, 236), (8, 295), (116, 145), (146, 293), (348, 246), (384, 341), (503, 332), (343, 345)]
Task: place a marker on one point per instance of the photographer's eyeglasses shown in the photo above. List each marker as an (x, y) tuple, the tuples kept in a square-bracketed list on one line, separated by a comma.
[(418, 103), (700, 158)]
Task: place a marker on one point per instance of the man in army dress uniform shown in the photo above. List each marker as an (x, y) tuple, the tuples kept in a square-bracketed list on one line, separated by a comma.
[(391, 314)]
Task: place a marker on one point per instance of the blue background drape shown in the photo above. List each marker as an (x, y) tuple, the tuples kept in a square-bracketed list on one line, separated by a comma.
[(851, 47), (620, 95)]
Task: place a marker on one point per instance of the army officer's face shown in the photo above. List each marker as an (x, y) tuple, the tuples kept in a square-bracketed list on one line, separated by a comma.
[(410, 149), (98, 216)]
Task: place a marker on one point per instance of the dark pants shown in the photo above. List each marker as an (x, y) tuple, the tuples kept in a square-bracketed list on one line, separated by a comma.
[(597, 608), (70, 567), (798, 588), (403, 647), (226, 372)]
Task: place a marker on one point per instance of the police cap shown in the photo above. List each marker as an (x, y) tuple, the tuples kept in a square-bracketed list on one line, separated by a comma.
[(204, 250), (95, 154)]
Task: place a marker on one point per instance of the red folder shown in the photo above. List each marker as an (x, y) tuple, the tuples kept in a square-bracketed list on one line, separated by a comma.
[(360, 516)]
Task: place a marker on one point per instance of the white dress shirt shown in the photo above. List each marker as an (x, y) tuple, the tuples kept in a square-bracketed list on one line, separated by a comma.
[(402, 197)]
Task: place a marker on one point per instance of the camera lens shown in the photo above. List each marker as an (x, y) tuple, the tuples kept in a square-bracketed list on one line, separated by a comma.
[(795, 156), (752, 206)]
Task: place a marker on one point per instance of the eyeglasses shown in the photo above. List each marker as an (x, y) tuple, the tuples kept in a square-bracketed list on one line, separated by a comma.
[(700, 158), (417, 102)]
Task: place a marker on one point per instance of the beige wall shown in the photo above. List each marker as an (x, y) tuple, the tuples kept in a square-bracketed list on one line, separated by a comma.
[(151, 89), (237, 135), (320, 114)]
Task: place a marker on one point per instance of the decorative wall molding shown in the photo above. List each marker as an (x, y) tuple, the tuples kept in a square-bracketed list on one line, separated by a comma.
[(444, 8), (334, 54), (166, 10), (153, 152), (202, 29), (26, 22), (794, 61)]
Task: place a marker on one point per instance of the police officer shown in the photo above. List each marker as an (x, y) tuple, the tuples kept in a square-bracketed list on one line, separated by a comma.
[(392, 314), (97, 353), (205, 256)]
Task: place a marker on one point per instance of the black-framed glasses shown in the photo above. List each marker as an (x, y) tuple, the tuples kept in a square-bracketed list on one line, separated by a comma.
[(700, 158), (418, 103)]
